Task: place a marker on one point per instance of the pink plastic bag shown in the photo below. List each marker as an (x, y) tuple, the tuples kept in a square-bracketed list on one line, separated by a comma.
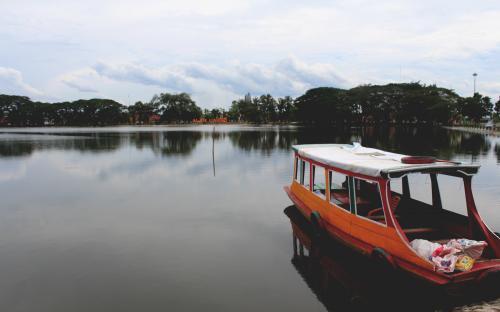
[(445, 264), (471, 248)]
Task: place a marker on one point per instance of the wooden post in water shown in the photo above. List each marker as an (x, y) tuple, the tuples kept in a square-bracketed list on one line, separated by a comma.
[(213, 149)]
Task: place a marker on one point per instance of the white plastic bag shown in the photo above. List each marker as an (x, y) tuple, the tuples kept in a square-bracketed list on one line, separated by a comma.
[(424, 248)]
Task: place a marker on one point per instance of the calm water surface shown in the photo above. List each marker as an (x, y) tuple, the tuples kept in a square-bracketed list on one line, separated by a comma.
[(177, 218)]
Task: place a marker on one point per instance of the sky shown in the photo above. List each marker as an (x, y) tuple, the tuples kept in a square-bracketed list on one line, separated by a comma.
[(218, 50)]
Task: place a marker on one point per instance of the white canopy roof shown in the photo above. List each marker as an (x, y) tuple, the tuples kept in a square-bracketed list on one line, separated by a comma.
[(372, 162)]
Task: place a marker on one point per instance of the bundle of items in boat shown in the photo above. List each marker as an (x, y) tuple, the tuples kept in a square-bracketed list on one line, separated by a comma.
[(455, 254)]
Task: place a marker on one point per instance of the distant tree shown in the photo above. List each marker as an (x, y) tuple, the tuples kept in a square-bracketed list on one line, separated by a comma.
[(476, 107), (497, 108), (234, 113), (267, 108), (407, 102), (140, 112), (177, 107), (214, 113), (242, 110), (21, 111), (324, 106), (285, 109)]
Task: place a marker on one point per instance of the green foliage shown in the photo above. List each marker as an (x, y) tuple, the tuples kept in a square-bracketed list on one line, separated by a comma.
[(176, 107), (214, 113), (324, 106), (391, 103), (285, 109), (141, 112), (407, 102), (21, 111), (497, 108), (476, 107)]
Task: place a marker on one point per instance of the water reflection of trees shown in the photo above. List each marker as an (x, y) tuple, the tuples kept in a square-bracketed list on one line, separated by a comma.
[(166, 143), (24, 145), (425, 141), (179, 143), (15, 149), (161, 143), (408, 140), (263, 141)]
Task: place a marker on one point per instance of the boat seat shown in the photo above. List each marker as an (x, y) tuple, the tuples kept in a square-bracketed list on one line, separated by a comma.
[(394, 204), (419, 230)]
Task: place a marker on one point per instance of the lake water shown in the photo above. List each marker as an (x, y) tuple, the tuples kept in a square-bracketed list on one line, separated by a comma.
[(177, 218)]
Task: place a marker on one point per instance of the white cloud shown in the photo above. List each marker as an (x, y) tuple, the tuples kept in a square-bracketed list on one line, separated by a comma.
[(212, 85), (81, 80), (290, 76), (11, 81)]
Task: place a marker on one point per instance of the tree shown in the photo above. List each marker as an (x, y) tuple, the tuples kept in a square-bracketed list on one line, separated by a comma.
[(497, 108), (177, 107), (476, 107), (214, 113), (139, 113), (323, 106), (285, 109), (267, 108)]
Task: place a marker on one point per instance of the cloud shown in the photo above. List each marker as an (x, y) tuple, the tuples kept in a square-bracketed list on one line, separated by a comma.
[(81, 80), (11, 81), (164, 77), (289, 76), (81, 88)]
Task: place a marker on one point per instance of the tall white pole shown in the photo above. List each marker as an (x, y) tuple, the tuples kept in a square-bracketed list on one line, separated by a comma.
[(474, 75)]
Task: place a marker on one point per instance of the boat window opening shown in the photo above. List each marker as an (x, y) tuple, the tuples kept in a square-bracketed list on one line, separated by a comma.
[(305, 176), (396, 186), (339, 190), (421, 188), (319, 181), (369, 200), (452, 194)]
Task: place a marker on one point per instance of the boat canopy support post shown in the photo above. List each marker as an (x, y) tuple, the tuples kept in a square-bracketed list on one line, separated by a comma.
[(436, 196), (476, 224), (406, 187)]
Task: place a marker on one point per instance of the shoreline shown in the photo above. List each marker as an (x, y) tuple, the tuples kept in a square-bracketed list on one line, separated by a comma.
[(474, 130)]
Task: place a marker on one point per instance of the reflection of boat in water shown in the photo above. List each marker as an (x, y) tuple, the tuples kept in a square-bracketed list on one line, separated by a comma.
[(343, 280), (349, 192)]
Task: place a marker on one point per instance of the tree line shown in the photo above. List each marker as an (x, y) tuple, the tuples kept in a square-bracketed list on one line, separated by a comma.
[(166, 108), (391, 103), (366, 104)]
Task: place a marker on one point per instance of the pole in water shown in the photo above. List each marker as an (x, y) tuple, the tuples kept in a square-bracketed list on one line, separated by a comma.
[(213, 149)]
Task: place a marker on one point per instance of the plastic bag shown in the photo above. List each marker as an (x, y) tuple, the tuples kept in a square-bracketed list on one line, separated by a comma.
[(456, 253), (464, 263), (445, 264), (424, 248), (471, 248)]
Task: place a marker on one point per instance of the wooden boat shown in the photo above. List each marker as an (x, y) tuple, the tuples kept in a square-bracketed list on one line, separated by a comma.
[(362, 197)]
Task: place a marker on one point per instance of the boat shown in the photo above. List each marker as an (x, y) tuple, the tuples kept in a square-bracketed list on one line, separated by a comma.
[(367, 199)]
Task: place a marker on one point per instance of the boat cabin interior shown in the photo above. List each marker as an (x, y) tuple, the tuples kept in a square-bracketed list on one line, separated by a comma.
[(431, 205)]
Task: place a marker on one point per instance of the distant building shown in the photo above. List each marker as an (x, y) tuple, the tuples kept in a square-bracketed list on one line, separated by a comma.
[(248, 97), (154, 118)]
